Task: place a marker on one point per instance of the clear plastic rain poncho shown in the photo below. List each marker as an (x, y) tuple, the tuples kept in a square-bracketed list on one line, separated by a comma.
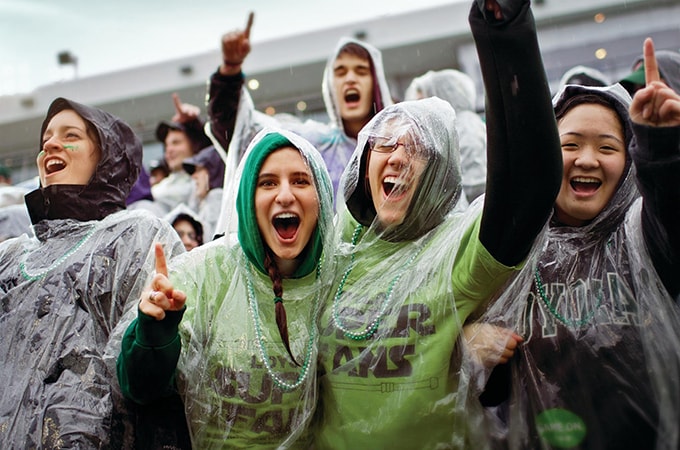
[(240, 387), (599, 367), (458, 89), (329, 138), (63, 294), (389, 369)]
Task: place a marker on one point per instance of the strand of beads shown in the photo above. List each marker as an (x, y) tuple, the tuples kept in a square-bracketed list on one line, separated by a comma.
[(373, 325), (37, 276), (304, 371), (568, 322)]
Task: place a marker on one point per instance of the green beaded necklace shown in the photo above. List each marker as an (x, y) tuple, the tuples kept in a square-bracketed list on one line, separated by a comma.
[(568, 322), (306, 364), (37, 276), (372, 326)]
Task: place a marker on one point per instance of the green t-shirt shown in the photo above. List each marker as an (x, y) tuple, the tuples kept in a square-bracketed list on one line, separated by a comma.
[(397, 389)]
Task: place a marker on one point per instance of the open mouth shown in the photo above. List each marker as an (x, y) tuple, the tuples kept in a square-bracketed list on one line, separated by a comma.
[(352, 96), (585, 185), (54, 165), (286, 225), (394, 187)]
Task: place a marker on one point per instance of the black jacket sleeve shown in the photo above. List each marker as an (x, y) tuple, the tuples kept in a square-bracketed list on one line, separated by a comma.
[(656, 154), (524, 158), (224, 93)]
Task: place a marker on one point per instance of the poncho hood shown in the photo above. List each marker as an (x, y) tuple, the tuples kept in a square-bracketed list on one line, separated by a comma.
[(381, 92), (114, 176), (451, 85), (431, 124), (613, 214), (249, 236)]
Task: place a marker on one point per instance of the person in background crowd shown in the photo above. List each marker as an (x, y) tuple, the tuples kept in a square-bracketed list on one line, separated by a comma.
[(66, 291), (189, 228), (668, 62), (584, 76), (10, 194), (5, 176), (182, 137), (14, 221), (458, 89), (354, 89), (140, 196), (158, 170), (207, 170)]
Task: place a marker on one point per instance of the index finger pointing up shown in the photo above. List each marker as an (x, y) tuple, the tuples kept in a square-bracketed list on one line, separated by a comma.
[(177, 102), (651, 66), (161, 264), (251, 17)]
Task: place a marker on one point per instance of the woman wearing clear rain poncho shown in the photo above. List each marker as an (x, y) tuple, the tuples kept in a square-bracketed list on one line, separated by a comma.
[(599, 367), (244, 355), (64, 291), (410, 270)]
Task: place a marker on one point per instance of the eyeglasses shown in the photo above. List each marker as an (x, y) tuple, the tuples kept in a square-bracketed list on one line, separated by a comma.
[(389, 145)]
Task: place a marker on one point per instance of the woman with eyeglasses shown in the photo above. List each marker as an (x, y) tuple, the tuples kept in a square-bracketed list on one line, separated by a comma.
[(410, 269)]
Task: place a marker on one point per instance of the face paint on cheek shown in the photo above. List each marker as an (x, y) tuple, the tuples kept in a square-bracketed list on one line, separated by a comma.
[(73, 148), (41, 153)]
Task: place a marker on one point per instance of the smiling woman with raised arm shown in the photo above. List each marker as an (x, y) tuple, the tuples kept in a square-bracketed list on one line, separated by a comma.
[(65, 291), (243, 353), (599, 367)]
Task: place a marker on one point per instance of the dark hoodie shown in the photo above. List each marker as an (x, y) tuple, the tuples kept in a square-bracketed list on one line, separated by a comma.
[(64, 295), (117, 171), (601, 351)]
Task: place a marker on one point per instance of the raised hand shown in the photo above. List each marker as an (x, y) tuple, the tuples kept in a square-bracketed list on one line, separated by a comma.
[(184, 112), (493, 7), (656, 104), (160, 295), (235, 48)]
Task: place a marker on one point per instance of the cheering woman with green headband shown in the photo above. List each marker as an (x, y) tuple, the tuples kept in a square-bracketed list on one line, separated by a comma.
[(242, 353)]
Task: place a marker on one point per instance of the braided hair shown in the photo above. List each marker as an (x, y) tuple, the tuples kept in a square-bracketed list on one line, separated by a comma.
[(280, 310)]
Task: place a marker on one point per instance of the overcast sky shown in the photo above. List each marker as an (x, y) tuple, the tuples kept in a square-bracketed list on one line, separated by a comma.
[(110, 35)]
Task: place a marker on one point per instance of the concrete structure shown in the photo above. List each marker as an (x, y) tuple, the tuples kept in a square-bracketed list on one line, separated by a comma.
[(289, 70)]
